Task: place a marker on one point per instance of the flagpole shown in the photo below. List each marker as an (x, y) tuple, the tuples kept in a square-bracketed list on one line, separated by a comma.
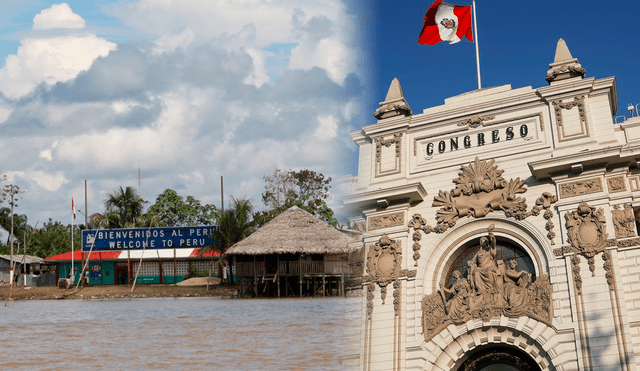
[(475, 33), (73, 273)]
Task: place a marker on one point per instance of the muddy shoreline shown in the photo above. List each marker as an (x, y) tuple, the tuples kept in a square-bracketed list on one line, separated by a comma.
[(116, 292)]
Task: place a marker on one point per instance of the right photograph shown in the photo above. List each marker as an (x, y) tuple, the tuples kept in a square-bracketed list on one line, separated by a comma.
[(496, 189)]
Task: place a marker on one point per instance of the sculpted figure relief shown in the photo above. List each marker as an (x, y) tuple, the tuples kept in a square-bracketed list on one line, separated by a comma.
[(489, 290), (485, 273), (458, 306)]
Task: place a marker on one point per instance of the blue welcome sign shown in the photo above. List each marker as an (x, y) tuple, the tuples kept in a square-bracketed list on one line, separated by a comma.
[(148, 238)]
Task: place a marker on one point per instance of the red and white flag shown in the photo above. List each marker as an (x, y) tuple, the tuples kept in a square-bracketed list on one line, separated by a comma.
[(73, 208), (446, 22)]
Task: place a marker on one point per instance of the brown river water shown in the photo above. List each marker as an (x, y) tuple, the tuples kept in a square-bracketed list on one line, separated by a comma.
[(179, 334)]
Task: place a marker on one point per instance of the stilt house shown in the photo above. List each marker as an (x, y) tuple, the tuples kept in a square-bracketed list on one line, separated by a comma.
[(295, 254)]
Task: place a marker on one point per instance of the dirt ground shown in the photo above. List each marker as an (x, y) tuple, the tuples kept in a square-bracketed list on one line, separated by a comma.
[(186, 289)]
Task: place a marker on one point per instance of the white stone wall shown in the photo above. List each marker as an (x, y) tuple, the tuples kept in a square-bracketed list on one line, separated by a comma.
[(596, 327)]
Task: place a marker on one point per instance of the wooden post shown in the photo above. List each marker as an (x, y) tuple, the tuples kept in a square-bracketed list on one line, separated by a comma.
[(128, 267), (255, 277), (278, 271), (300, 272), (323, 292), (175, 263)]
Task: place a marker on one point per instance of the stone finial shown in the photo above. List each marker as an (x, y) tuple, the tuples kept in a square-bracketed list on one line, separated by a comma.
[(564, 66), (562, 52), (394, 104)]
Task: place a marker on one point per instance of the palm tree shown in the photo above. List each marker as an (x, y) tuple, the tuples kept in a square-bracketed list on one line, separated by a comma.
[(234, 223), (20, 225), (123, 209)]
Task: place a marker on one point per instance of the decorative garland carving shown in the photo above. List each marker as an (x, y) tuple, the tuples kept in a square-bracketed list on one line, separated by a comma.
[(402, 108), (577, 277), (475, 121), (581, 187), (384, 262), (624, 222), (575, 70), (608, 268), (490, 290), (385, 221), (629, 243), (481, 189)]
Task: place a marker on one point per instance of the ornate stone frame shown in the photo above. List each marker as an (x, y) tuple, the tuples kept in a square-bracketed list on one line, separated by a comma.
[(558, 106), (397, 140)]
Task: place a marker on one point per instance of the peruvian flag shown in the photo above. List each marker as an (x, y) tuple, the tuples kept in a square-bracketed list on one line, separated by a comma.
[(446, 22), (73, 208)]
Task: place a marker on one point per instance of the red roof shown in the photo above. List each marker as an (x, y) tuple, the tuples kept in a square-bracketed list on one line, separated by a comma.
[(79, 255), (209, 253)]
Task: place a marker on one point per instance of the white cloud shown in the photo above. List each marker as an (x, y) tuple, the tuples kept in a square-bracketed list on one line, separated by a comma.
[(168, 43), (58, 16), (49, 60), (327, 128), (50, 182)]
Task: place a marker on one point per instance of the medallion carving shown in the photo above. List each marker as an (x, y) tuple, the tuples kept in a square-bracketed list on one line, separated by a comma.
[(384, 266), (581, 187), (586, 230), (385, 221), (490, 289), (624, 222), (586, 234), (616, 184)]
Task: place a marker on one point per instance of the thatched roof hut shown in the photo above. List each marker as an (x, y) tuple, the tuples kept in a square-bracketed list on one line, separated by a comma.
[(295, 231)]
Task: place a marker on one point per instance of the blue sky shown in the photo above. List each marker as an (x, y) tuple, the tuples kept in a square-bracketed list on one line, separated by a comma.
[(192, 91), (517, 41)]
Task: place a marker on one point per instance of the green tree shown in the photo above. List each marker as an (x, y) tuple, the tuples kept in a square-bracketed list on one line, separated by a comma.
[(123, 209), (172, 210), (306, 189), (53, 238), (20, 225), (234, 223)]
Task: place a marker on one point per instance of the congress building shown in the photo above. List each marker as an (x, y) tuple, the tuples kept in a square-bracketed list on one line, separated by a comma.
[(500, 229)]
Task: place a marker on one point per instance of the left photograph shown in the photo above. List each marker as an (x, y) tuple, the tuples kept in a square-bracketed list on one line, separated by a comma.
[(171, 183)]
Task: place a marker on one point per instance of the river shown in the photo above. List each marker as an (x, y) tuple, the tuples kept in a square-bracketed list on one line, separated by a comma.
[(179, 334)]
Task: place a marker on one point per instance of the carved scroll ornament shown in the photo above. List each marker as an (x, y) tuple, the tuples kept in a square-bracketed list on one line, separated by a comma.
[(489, 290), (586, 233)]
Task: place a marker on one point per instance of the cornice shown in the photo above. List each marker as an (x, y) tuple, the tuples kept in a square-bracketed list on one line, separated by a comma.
[(413, 192), (565, 164)]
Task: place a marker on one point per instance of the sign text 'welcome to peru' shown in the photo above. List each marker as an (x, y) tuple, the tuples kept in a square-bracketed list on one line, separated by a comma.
[(148, 238)]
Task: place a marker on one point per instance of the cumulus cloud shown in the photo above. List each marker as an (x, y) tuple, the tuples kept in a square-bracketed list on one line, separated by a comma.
[(58, 16), (205, 97), (51, 59)]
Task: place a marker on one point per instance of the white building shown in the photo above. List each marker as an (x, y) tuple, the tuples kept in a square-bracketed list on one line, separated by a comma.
[(551, 184)]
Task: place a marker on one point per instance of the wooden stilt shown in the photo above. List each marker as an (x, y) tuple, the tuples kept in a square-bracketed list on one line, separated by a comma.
[(323, 292)]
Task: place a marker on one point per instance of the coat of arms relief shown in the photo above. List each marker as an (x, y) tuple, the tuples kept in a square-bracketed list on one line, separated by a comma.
[(480, 189)]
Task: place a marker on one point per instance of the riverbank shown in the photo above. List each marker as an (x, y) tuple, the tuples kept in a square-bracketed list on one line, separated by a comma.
[(115, 292)]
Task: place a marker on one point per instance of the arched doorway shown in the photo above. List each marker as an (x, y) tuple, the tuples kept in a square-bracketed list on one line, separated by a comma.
[(499, 358)]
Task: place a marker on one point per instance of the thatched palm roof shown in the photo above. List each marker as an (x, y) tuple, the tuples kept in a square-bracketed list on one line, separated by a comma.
[(295, 231)]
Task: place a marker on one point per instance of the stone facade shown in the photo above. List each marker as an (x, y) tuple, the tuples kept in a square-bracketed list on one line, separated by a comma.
[(501, 229)]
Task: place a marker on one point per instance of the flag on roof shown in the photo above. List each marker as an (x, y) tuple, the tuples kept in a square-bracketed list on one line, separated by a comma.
[(446, 22)]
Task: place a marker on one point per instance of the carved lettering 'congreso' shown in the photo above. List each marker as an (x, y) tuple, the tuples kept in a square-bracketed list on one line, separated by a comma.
[(489, 290)]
